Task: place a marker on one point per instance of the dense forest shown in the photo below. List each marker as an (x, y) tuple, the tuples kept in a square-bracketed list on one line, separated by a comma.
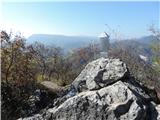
[(25, 66)]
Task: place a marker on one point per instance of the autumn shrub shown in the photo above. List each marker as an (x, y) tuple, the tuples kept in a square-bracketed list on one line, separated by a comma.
[(17, 75)]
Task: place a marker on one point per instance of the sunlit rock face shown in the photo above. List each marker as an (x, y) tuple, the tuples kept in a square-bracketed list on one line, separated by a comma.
[(104, 90), (100, 73)]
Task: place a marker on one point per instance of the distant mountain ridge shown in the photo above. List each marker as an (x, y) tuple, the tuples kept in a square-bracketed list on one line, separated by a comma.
[(66, 42), (146, 39), (73, 42)]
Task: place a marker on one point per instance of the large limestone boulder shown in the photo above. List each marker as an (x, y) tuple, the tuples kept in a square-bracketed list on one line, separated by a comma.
[(103, 91), (100, 73), (115, 102), (109, 103)]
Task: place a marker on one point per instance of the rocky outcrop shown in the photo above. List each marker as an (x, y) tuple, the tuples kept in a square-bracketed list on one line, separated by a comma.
[(103, 91), (100, 73)]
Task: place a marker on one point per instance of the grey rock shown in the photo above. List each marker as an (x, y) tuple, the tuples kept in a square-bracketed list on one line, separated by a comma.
[(158, 112), (154, 111), (116, 102), (100, 73)]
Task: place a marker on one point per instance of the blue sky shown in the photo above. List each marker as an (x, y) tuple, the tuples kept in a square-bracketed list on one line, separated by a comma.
[(128, 19)]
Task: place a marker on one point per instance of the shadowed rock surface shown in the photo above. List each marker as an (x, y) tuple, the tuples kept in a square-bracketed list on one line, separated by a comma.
[(104, 90)]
